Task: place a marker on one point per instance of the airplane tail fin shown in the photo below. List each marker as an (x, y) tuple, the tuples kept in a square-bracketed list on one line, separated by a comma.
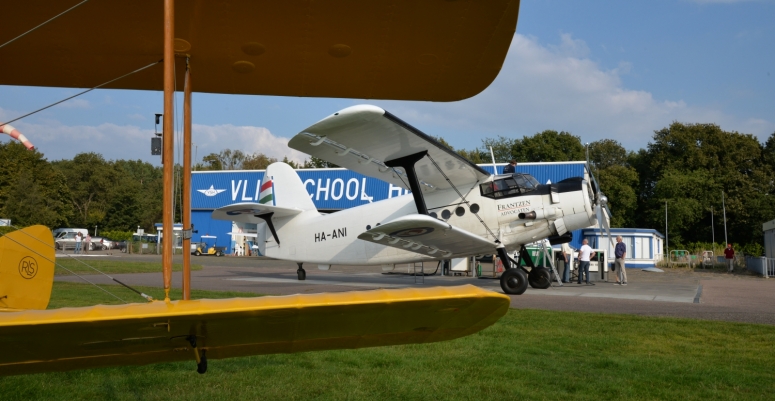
[(281, 186), (26, 268)]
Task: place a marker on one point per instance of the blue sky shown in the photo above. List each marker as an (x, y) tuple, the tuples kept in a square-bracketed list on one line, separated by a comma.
[(598, 69)]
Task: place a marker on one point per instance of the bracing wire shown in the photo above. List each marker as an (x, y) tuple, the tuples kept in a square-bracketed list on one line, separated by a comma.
[(81, 93), (460, 195), (147, 297), (44, 23), (70, 271)]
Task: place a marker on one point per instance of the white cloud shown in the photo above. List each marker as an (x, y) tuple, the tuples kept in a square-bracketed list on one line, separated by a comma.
[(59, 141), (136, 117), (75, 104), (213, 139), (559, 87)]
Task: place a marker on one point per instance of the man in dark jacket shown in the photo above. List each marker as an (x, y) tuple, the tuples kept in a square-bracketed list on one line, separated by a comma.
[(620, 252), (510, 168)]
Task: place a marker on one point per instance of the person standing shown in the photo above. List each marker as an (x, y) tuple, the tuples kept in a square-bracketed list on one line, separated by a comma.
[(729, 255), (566, 257), (86, 243), (78, 239), (585, 253), (620, 252), (510, 168)]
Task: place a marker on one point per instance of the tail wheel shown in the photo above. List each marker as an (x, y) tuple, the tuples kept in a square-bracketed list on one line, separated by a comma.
[(540, 277), (201, 367), (514, 281)]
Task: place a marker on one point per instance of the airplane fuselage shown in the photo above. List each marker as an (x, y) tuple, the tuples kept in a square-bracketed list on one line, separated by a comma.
[(326, 239)]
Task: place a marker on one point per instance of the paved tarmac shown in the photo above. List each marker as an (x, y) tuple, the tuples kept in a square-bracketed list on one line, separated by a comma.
[(676, 292)]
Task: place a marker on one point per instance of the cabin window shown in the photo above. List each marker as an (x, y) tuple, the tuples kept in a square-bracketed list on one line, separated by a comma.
[(514, 185)]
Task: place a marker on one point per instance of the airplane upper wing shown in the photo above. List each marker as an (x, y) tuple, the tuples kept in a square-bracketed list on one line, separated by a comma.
[(136, 334), (426, 235), (362, 138)]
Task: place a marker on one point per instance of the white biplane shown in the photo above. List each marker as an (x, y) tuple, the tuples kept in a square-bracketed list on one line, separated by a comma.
[(456, 209)]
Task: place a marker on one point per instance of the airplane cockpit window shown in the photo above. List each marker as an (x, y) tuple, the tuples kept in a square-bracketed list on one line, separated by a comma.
[(505, 187)]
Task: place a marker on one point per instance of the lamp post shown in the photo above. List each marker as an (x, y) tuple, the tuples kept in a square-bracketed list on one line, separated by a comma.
[(95, 230)]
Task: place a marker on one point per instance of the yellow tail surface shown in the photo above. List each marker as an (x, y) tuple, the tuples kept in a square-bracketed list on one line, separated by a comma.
[(26, 268)]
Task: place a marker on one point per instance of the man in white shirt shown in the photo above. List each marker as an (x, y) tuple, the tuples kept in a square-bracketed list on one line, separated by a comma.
[(566, 257), (585, 253), (78, 239)]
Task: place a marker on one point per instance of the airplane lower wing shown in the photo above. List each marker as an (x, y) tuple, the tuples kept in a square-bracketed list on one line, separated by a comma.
[(427, 235), (137, 334)]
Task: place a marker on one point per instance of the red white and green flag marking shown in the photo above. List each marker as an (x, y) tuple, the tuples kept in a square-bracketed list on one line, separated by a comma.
[(266, 196)]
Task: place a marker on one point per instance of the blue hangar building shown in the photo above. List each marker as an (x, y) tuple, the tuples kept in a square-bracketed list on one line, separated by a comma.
[(330, 189)]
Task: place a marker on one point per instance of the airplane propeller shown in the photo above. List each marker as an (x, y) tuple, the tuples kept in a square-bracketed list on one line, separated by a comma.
[(601, 201)]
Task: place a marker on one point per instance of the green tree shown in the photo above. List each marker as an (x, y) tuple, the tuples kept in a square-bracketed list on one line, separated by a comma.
[(90, 179), (617, 179), (690, 165), (31, 190), (257, 161), (548, 146)]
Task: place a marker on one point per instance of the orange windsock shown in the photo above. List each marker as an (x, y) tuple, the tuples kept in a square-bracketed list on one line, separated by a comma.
[(15, 134)]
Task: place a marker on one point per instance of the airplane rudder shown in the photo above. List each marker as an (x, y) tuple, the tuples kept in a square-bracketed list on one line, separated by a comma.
[(282, 186)]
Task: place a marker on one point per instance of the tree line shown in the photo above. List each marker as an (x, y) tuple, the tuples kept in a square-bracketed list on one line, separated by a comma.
[(687, 166)]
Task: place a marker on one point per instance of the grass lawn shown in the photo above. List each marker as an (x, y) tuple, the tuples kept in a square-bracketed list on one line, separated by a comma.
[(112, 266), (527, 355), (82, 294)]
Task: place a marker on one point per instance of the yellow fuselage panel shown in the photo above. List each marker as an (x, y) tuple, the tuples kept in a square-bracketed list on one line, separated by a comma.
[(26, 268), (80, 338)]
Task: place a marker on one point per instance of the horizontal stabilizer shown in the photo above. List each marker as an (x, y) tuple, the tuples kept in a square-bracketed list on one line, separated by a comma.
[(428, 236), (247, 212), (137, 334)]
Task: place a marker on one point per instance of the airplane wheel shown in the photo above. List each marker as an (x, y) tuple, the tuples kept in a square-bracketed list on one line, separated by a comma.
[(302, 274), (197, 253), (201, 367), (514, 281), (540, 278)]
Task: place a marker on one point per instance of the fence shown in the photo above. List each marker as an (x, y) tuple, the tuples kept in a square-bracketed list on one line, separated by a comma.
[(761, 265)]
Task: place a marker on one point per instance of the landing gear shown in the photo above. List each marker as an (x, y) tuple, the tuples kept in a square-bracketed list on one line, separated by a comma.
[(201, 366), (200, 356), (540, 277), (301, 273), (514, 281)]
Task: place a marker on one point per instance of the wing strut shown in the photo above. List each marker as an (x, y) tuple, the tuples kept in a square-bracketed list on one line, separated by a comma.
[(268, 219), (408, 162)]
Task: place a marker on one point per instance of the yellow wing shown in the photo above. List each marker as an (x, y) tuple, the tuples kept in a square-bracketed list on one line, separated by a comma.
[(376, 49), (136, 334), (26, 268)]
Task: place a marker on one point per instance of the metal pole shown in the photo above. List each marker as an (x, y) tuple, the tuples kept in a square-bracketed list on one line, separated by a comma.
[(725, 218), (168, 160), (667, 239), (712, 228), (186, 187)]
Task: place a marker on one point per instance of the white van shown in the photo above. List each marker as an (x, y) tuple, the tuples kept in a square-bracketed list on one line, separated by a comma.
[(58, 231)]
